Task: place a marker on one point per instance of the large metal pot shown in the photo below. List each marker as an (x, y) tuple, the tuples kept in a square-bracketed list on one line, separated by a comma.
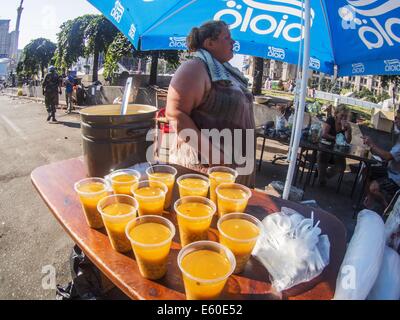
[(112, 141)]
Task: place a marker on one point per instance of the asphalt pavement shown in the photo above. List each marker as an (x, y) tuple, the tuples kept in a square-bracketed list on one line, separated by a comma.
[(32, 243)]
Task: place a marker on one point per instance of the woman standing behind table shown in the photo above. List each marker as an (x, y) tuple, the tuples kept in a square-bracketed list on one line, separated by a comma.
[(329, 165), (208, 93)]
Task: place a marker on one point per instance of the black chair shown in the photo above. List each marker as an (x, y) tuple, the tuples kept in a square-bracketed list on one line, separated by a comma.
[(262, 132)]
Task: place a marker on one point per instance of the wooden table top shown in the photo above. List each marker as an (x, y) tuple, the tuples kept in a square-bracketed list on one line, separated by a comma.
[(55, 181)]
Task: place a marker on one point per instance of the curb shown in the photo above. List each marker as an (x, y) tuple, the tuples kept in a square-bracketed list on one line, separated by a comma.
[(37, 100)]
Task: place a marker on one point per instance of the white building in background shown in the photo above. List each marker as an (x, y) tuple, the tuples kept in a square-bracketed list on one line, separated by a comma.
[(5, 39), (277, 70), (9, 42)]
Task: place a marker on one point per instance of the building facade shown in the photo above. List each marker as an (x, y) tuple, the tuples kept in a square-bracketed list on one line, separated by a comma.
[(278, 70), (5, 39)]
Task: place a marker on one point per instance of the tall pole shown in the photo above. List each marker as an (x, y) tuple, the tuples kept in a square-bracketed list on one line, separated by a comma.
[(15, 38), (19, 11), (297, 89), (302, 102)]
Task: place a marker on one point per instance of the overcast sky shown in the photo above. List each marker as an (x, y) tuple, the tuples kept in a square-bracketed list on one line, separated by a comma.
[(42, 18)]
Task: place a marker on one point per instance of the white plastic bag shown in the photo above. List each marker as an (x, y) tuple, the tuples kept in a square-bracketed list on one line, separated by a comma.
[(363, 258), (392, 228), (292, 249), (387, 285)]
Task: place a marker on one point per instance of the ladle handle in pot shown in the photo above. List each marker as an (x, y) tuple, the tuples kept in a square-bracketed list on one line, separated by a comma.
[(127, 92)]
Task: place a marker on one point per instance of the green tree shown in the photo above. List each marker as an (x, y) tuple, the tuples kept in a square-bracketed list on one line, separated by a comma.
[(99, 34), (122, 47), (119, 48), (36, 56), (71, 41), (395, 80)]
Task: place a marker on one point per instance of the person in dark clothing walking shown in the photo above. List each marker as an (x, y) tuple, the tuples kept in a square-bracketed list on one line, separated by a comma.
[(69, 88), (51, 89)]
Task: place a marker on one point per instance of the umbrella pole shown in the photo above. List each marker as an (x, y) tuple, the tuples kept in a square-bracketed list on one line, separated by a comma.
[(300, 114), (296, 91), (295, 106)]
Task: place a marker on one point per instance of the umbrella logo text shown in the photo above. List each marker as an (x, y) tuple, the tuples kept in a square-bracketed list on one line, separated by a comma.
[(236, 46), (392, 65), (373, 33), (276, 53), (358, 68), (177, 42), (315, 63), (118, 11), (132, 31), (265, 24)]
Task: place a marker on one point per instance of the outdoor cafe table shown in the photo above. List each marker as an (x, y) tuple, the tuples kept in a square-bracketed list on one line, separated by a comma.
[(55, 182), (352, 152)]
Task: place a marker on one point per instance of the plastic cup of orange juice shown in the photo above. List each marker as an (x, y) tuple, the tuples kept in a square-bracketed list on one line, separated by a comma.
[(150, 196), (239, 232), (218, 175), (194, 216), (151, 238), (117, 210), (232, 197), (123, 180), (165, 174), (205, 267), (193, 185), (91, 191)]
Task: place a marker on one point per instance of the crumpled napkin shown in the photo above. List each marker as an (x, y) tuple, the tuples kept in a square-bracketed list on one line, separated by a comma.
[(292, 248)]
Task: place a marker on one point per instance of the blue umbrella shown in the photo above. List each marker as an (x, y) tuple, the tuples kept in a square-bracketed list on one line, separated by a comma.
[(358, 36), (343, 37)]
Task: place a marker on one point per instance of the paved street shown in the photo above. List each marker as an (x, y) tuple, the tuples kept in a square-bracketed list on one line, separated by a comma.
[(30, 238)]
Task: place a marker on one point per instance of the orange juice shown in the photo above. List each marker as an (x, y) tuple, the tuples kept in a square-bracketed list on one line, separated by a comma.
[(165, 174), (151, 247), (194, 219), (90, 194), (217, 178), (122, 183), (115, 217), (240, 236), (206, 265), (232, 198), (151, 200), (193, 185)]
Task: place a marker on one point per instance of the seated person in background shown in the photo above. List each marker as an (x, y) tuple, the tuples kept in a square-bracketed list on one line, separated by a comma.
[(280, 120), (385, 181), (329, 165), (328, 110)]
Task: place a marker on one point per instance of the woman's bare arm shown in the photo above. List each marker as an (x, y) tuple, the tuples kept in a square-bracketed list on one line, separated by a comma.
[(187, 90)]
